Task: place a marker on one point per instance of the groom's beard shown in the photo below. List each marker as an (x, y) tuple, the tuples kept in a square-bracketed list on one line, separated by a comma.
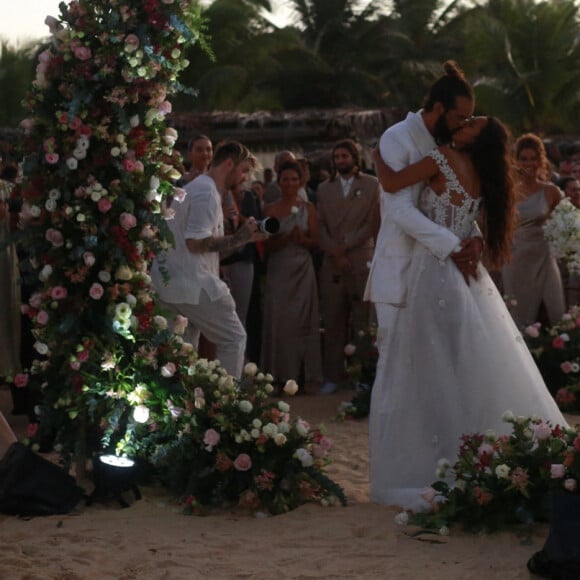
[(441, 132)]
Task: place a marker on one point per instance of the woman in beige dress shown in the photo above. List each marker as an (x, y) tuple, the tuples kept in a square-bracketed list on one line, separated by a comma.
[(291, 334), (533, 277)]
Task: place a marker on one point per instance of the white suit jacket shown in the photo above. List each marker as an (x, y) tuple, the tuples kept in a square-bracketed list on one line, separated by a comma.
[(402, 224)]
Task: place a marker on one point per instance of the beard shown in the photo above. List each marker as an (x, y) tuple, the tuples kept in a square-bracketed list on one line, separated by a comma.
[(442, 133), (346, 169)]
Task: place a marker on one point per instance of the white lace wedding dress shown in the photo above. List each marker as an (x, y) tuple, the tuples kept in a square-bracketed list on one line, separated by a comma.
[(456, 363)]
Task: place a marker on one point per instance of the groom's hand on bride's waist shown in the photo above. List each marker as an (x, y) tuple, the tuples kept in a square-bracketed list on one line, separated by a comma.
[(467, 258)]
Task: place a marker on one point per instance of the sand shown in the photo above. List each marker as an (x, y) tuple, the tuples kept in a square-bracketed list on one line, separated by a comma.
[(152, 539)]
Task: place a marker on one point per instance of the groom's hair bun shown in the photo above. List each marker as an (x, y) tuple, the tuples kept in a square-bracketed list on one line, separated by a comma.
[(448, 87), (452, 69)]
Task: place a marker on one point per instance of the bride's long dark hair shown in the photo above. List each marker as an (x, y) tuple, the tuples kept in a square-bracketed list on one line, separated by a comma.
[(491, 157)]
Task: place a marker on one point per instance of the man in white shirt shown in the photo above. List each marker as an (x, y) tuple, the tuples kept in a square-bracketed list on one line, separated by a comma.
[(194, 288)]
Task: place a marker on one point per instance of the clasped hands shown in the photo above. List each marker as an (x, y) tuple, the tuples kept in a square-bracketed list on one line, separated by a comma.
[(468, 257)]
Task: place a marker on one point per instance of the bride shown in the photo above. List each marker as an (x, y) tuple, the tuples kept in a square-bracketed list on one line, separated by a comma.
[(459, 362)]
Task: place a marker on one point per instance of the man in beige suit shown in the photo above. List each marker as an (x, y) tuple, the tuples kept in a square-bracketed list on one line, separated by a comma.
[(348, 209)]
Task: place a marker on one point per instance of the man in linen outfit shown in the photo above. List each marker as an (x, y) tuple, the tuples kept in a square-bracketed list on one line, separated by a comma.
[(348, 208), (194, 289), (449, 105)]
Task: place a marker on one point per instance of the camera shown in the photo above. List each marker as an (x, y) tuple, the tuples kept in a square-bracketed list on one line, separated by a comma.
[(269, 225)]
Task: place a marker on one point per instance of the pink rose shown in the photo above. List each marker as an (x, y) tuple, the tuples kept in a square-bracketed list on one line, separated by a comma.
[(89, 259), (243, 462), (31, 430), (82, 52), (570, 484), (325, 443), (485, 449), (58, 293), (128, 165), (75, 365), (578, 321), (542, 431), (96, 291), (127, 220), (35, 300), (139, 167), (557, 471), (131, 42), (51, 158), (577, 443), (566, 367), (55, 237), (104, 205), (180, 324), (558, 342), (165, 107), (42, 317), (211, 438), (21, 380), (428, 494), (83, 356)]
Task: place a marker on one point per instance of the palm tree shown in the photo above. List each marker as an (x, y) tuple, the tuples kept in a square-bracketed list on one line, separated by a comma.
[(527, 57), (16, 74), (420, 35)]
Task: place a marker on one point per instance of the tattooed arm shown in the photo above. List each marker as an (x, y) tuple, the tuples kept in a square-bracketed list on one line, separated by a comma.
[(247, 232)]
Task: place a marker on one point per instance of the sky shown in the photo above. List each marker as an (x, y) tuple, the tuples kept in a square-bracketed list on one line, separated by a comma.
[(22, 20)]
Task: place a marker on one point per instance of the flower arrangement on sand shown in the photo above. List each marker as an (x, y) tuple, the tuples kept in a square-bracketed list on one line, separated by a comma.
[(361, 367), (499, 481), (557, 353), (114, 373)]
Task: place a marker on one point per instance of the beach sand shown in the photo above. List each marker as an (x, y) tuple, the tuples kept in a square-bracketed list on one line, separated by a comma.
[(153, 540)]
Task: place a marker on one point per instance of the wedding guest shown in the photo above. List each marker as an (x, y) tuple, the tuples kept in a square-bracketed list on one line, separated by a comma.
[(199, 154), (571, 188), (238, 268), (532, 277), (272, 192), (348, 205), (291, 335)]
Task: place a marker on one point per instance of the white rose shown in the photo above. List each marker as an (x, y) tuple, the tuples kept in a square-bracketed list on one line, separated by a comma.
[(270, 430), (256, 423), (40, 347), (268, 378), (283, 427), (160, 322), (255, 433), (502, 471), (280, 439), (50, 205), (284, 407), (245, 406), (402, 519), (141, 414), (104, 276), (45, 273), (291, 388), (508, 417), (251, 369), (269, 388), (304, 457)]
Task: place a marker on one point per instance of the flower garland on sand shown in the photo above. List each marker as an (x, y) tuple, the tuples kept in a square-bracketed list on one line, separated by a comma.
[(498, 481), (562, 230), (361, 367), (557, 353)]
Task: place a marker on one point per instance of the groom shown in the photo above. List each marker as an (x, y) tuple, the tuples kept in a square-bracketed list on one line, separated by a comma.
[(448, 106)]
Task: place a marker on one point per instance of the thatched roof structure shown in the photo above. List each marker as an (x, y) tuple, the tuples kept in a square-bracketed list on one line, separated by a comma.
[(268, 130)]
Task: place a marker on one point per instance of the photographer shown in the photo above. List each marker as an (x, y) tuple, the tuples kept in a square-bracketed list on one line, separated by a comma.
[(195, 290)]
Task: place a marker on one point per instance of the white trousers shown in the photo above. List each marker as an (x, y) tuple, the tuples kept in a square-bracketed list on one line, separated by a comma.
[(220, 324)]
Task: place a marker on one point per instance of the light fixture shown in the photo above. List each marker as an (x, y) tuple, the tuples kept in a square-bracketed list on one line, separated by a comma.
[(113, 475)]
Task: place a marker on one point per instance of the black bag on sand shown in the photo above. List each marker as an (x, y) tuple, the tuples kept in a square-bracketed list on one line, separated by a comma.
[(30, 485), (559, 559)]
